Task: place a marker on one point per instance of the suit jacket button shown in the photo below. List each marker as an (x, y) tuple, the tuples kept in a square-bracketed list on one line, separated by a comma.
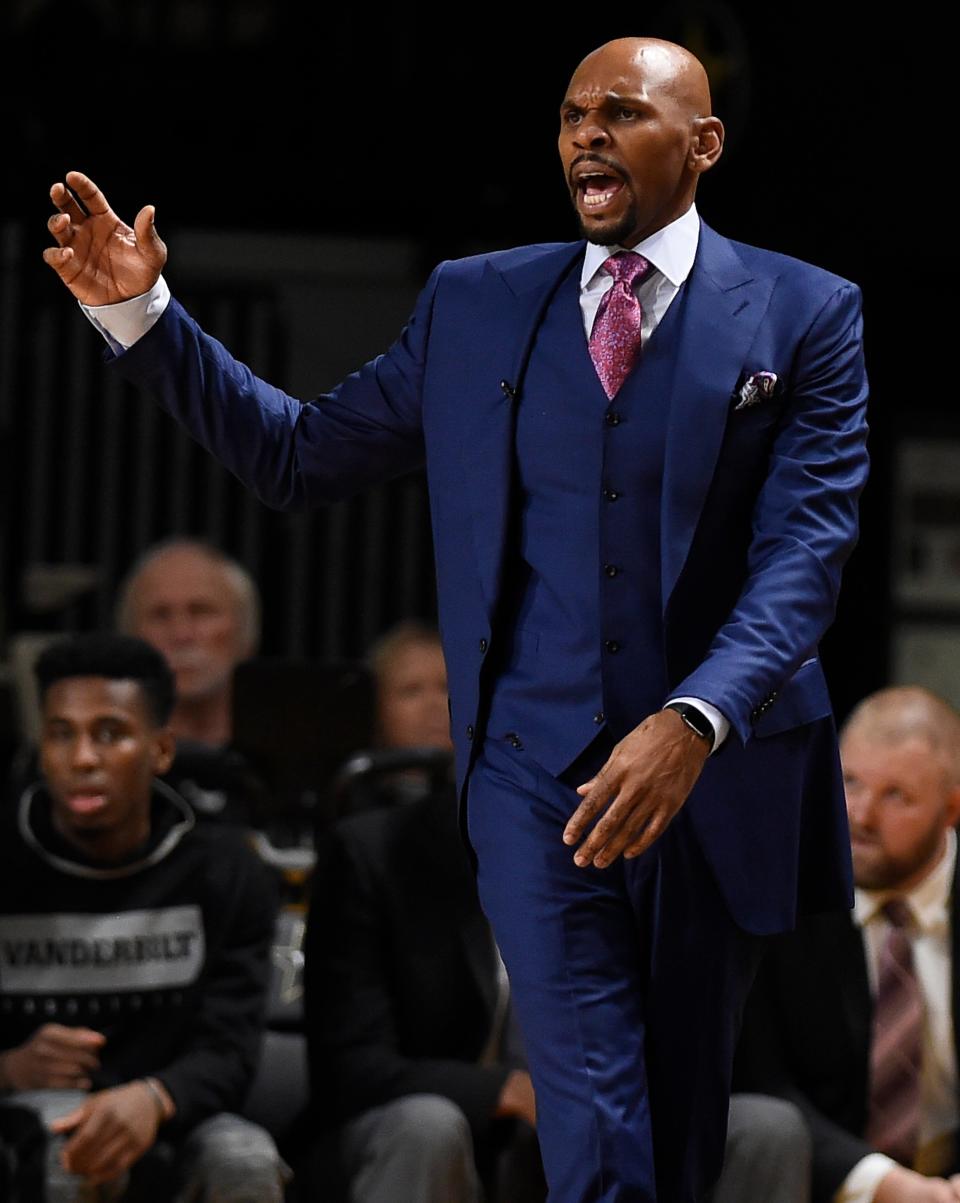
[(612, 646), (611, 570), (470, 731), (612, 419), (610, 495), (483, 646), (599, 717)]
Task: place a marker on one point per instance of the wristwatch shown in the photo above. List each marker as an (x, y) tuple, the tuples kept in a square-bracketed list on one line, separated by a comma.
[(695, 719)]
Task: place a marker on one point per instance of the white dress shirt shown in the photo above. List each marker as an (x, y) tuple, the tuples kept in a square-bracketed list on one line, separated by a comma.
[(929, 904), (671, 250)]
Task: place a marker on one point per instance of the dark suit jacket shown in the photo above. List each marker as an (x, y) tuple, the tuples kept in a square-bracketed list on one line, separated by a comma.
[(400, 972), (806, 1035), (758, 512)]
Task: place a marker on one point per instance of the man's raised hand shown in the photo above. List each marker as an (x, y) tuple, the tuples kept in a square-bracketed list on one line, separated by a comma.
[(99, 257)]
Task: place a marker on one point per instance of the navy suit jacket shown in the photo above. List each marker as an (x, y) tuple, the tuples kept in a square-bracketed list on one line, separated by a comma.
[(758, 510)]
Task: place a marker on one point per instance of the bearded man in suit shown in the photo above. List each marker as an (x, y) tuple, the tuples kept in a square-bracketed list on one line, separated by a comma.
[(644, 452), (854, 1016)]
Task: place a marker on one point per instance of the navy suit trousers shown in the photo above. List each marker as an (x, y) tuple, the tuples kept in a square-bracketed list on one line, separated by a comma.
[(628, 982)]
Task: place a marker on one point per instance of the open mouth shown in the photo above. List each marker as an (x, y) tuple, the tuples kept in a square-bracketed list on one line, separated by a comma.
[(596, 187)]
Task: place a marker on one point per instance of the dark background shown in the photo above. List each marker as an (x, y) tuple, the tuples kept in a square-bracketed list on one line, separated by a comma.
[(440, 128)]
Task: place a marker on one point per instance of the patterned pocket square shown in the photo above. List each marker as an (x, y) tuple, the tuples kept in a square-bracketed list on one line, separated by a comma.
[(761, 386)]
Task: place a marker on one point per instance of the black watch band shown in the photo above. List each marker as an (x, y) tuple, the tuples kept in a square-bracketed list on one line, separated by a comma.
[(695, 719)]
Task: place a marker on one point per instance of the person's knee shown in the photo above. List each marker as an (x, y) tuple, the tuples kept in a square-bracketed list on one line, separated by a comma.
[(774, 1128), (430, 1125), (231, 1160)]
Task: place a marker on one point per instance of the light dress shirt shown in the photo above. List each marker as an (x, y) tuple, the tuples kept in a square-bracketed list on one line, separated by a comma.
[(671, 250), (929, 904)]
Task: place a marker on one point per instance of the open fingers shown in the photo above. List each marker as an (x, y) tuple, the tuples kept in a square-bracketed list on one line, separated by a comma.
[(648, 834), (596, 794), (93, 199), (619, 826), (66, 202), (61, 227), (58, 258)]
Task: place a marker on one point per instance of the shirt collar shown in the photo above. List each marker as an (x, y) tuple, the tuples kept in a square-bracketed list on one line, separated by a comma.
[(927, 900), (671, 250)]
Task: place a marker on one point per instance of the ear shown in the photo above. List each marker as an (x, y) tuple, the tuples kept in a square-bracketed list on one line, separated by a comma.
[(164, 750), (706, 145), (953, 805)]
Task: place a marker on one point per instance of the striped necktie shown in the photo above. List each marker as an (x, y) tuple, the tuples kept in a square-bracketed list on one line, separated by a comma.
[(896, 1054)]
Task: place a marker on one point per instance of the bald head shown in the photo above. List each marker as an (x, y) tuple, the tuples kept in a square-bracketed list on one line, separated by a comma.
[(665, 66), (636, 134), (893, 716)]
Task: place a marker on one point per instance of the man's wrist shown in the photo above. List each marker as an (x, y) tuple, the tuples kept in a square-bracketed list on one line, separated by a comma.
[(126, 322), (718, 720), (696, 720), (166, 1108)]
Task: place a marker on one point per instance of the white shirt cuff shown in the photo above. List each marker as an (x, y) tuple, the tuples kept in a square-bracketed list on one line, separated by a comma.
[(126, 321), (720, 724), (860, 1185)]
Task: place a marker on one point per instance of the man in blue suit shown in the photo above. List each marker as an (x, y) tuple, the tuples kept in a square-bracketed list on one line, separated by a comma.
[(644, 454)]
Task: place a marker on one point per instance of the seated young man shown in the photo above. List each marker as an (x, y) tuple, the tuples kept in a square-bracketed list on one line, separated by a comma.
[(133, 953)]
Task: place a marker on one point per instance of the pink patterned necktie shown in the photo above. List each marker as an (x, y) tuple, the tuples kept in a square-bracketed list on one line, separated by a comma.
[(896, 1054), (615, 338)]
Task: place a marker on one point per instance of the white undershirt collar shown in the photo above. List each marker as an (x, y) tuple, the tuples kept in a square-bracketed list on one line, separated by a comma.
[(671, 250)]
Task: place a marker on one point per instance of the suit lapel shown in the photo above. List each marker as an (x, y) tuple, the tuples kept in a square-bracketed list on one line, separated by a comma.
[(511, 306), (723, 307)]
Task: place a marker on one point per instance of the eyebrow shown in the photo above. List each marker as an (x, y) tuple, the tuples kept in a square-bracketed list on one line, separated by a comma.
[(112, 716), (608, 98)]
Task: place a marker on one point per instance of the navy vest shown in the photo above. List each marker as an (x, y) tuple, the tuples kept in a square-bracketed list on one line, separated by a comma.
[(581, 611)]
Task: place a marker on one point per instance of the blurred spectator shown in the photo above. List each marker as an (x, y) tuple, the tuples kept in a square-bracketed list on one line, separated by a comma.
[(413, 1054), (133, 954), (411, 676), (854, 1017), (201, 609)]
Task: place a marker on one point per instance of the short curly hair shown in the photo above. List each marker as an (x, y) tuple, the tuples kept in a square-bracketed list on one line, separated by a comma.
[(116, 657)]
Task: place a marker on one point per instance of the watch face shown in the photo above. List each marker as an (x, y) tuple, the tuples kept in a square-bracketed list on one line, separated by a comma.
[(695, 719)]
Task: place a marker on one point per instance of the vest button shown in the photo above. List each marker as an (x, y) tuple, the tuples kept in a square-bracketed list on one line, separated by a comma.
[(612, 419), (612, 646), (611, 570), (610, 495), (483, 646), (470, 731)]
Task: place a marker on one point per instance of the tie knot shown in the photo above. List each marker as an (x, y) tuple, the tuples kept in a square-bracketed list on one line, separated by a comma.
[(897, 913), (627, 267)]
